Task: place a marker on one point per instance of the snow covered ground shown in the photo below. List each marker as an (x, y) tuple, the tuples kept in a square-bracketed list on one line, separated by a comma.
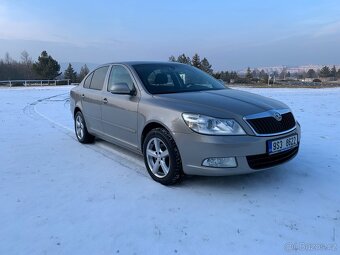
[(61, 197)]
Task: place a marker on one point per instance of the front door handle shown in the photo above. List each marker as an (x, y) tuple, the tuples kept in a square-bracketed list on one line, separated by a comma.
[(105, 100), (82, 95)]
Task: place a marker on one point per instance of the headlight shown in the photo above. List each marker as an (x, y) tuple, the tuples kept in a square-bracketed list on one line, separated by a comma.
[(212, 126)]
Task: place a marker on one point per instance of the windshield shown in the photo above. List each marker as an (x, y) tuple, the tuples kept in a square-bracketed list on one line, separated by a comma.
[(175, 78)]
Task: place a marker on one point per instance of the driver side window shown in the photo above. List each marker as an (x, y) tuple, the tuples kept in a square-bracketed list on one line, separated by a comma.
[(119, 75)]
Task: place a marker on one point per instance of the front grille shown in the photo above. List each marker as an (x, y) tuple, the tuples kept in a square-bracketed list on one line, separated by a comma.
[(266, 160), (269, 125)]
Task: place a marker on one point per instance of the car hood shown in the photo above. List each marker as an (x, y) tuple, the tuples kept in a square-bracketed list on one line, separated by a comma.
[(229, 101)]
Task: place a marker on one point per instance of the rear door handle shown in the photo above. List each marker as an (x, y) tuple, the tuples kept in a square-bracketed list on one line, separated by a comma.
[(105, 100)]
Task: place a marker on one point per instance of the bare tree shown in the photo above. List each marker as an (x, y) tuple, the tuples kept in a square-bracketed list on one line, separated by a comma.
[(25, 58), (8, 59)]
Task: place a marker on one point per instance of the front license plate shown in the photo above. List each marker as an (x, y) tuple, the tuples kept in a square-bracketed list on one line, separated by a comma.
[(283, 144)]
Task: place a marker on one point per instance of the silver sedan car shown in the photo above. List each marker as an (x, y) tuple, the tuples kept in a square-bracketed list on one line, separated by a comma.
[(183, 120)]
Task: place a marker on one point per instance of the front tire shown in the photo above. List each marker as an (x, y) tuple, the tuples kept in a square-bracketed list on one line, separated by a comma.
[(80, 129), (161, 157)]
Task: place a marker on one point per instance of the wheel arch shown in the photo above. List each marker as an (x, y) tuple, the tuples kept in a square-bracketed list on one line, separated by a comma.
[(148, 127), (76, 109)]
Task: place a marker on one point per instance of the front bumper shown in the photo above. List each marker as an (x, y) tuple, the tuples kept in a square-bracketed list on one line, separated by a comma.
[(194, 148)]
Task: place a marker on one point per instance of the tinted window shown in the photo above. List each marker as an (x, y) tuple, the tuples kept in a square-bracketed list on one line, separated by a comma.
[(120, 74), (99, 78), (175, 78), (88, 81)]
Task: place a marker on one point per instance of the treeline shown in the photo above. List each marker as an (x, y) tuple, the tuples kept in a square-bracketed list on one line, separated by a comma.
[(45, 68), (18, 70), (73, 76), (324, 72), (194, 61), (255, 75), (205, 66)]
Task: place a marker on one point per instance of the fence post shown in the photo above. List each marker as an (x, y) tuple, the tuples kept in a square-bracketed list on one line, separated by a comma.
[(10, 84), (40, 83), (25, 84), (55, 82)]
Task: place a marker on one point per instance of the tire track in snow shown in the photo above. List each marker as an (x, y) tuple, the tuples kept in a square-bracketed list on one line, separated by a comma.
[(118, 155)]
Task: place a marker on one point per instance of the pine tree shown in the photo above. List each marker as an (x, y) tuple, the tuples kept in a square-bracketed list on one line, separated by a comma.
[(70, 74), (325, 71), (206, 67), (217, 75), (333, 72), (225, 76), (233, 75), (262, 74), (311, 73), (256, 73), (183, 59), (196, 61), (172, 58), (46, 67), (84, 70), (249, 74)]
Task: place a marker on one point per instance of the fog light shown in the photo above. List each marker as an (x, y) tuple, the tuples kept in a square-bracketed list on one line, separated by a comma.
[(220, 162)]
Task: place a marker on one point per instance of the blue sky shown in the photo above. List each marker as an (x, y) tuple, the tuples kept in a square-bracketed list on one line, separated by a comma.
[(231, 34)]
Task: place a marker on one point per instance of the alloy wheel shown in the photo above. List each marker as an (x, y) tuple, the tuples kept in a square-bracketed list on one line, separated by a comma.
[(158, 157), (79, 127)]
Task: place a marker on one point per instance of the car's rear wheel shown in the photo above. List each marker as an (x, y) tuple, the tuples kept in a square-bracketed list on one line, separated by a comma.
[(161, 157), (80, 129)]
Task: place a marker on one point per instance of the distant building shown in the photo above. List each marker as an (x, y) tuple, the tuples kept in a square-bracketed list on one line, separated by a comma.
[(296, 69)]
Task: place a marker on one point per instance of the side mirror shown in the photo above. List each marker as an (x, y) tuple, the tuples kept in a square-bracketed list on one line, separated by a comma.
[(121, 88)]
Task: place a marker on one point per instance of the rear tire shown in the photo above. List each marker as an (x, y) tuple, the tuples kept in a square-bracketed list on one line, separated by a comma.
[(80, 129), (161, 157)]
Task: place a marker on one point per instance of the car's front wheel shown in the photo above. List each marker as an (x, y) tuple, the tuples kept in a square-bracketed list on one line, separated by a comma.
[(80, 129), (161, 157)]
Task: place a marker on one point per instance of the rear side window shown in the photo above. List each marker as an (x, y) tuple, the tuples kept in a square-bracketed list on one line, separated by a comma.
[(98, 78), (88, 81)]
